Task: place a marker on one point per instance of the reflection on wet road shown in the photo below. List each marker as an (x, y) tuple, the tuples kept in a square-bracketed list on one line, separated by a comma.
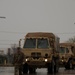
[(10, 71), (6, 70), (62, 71)]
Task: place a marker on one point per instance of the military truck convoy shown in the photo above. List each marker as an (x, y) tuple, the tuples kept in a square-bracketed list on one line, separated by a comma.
[(41, 51), (44, 50)]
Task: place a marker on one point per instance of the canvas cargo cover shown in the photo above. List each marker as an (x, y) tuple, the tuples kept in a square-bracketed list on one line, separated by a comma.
[(40, 34)]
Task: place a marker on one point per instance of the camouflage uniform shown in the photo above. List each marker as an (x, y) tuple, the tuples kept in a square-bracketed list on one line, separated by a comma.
[(18, 61)]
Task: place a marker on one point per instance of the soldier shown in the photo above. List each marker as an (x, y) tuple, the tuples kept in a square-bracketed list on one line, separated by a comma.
[(18, 60)]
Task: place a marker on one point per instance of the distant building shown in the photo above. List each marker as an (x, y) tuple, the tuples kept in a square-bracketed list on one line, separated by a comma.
[(9, 56), (1, 52), (2, 57), (13, 48)]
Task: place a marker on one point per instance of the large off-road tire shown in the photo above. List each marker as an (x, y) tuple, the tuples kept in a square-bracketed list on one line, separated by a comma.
[(50, 67), (69, 65), (25, 68), (56, 66), (53, 67), (32, 70), (66, 66)]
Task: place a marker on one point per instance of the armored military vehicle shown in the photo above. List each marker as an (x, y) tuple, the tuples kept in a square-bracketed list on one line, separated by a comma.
[(66, 55), (41, 51), (73, 58)]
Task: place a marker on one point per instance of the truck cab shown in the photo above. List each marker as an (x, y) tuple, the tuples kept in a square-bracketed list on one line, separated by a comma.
[(66, 55), (41, 51)]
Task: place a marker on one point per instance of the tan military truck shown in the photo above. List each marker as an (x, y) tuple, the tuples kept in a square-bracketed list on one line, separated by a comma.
[(66, 55), (73, 58), (41, 51)]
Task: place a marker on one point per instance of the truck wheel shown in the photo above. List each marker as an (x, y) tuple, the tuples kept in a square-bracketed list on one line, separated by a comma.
[(70, 65), (56, 67), (25, 68), (66, 66), (32, 70), (50, 68)]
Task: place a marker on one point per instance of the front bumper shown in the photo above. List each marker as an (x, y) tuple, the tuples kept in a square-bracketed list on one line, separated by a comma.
[(40, 63), (62, 62)]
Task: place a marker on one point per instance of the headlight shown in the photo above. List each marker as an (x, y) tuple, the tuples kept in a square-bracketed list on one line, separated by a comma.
[(46, 60), (62, 60), (26, 59)]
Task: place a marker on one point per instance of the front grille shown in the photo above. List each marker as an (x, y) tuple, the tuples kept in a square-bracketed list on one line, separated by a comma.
[(36, 55)]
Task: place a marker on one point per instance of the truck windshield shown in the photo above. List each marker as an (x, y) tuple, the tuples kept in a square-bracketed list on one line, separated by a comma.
[(62, 50), (42, 43), (30, 43)]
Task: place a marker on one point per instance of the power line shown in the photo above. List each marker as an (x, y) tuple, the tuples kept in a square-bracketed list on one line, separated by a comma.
[(8, 43), (67, 33), (12, 32), (10, 40), (27, 32), (4, 44)]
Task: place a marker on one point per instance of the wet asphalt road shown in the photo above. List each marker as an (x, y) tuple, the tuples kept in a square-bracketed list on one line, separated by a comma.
[(62, 71)]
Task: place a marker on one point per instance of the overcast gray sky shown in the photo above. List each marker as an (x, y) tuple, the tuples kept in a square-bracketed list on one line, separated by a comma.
[(22, 16)]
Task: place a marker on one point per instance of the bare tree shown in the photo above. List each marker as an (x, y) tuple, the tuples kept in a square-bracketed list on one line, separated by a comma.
[(13, 47), (71, 40)]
